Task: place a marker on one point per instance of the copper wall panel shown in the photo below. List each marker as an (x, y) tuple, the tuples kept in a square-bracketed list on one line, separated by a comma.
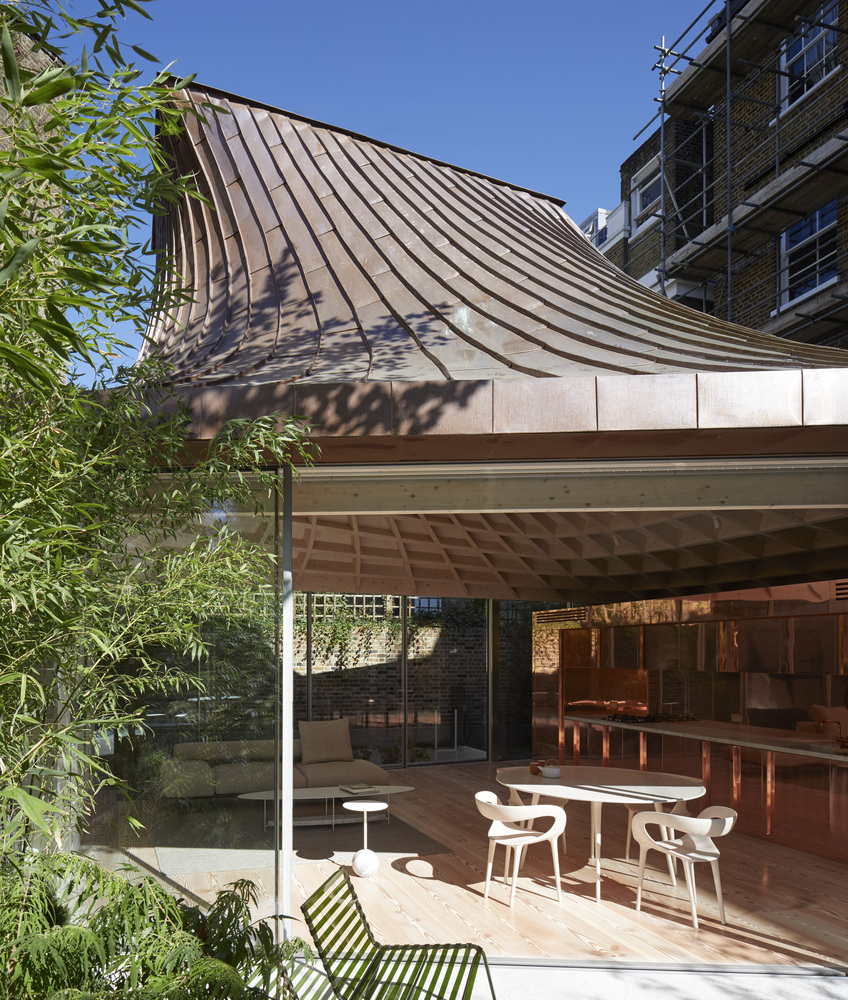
[(768, 398), (624, 402)]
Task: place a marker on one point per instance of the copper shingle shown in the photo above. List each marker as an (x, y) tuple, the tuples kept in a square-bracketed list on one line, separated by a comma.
[(330, 257)]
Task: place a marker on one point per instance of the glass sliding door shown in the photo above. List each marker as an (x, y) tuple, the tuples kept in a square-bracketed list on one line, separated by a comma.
[(411, 674), (349, 664), (447, 681), (206, 742)]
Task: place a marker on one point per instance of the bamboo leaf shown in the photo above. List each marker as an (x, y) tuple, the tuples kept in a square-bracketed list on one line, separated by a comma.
[(11, 69), (184, 81), (19, 258), (34, 809), (144, 54), (49, 91)]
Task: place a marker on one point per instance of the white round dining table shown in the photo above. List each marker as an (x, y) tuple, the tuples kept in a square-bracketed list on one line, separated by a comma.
[(597, 785)]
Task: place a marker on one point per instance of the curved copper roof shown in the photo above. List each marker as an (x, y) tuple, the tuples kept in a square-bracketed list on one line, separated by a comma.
[(325, 256), (409, 309)]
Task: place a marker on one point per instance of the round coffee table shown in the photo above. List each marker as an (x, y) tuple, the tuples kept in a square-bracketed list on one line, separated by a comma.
[(365, 862)]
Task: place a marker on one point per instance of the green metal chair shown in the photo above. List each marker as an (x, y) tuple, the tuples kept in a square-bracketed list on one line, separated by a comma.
[(300, 981), (360, 968)]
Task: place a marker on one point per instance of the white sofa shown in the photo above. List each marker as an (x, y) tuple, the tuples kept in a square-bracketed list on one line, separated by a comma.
[(322, 757)]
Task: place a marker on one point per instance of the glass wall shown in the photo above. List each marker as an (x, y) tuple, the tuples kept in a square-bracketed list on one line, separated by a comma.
[(410, 673), (514, 657), (204, 743), (411, 676), (349, 651)]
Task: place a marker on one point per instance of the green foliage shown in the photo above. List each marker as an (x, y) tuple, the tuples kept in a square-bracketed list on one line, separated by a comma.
[(116, 537), (70, 929), (347, 636), (104, 559), (80, 173)]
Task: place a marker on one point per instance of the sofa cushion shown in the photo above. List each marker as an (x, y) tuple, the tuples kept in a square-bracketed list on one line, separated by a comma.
[(244, 776), (211, 751), (187, 779), (250, 776), (831, 713), (337, 772), (328, 740), (250, 749)]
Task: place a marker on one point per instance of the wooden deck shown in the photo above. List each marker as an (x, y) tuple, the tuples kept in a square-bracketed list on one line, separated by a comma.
[(783, 907)]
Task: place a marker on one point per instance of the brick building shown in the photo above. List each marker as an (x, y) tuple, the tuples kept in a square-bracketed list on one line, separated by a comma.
[(737, 202)]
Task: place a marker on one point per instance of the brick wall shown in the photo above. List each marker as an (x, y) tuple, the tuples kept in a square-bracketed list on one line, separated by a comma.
[(766, 141), (446, 675)]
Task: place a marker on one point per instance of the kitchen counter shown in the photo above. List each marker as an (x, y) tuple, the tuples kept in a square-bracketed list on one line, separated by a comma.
[(729, 734)]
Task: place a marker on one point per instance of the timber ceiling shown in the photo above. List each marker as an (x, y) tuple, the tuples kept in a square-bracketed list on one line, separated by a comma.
[(326, 261), (586, 557)]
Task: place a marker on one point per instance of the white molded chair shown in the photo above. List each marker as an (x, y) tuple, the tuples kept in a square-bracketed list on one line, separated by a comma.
[(634, 810), (508, 828), (690, 841), (516, 800)]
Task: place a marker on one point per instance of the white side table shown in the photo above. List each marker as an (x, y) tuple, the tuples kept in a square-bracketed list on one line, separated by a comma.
[(365, 862)]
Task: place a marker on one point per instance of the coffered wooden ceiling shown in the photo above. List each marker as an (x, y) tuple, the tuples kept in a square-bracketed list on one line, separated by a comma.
[(417, 312), (585, 558)]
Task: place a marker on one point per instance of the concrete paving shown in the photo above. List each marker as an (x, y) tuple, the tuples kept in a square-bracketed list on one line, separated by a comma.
[(515, 980)]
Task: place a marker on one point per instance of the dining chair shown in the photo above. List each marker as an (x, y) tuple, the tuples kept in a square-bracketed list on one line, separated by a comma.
[(633, 809), (516, 800), (690, 841), (508, 828)]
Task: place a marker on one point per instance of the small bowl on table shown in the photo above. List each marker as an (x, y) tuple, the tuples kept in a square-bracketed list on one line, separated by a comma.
[(549, 770)]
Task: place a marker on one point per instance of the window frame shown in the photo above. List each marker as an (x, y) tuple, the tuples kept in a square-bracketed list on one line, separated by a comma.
[(641, 215), (826, 258), (808, 38)]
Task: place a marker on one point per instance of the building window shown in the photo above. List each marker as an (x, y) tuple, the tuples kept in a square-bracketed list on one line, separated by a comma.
[(809, 253), (595, 227), (645, 193), (424, 606), (810, 54)]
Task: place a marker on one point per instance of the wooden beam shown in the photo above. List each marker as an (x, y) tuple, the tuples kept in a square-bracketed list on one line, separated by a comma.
[(758, 484)]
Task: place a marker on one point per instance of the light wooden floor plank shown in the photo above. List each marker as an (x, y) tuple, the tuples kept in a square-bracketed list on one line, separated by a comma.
[(783, 907)]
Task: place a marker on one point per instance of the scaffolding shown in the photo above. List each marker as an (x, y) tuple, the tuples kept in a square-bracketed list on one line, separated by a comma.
[(747, 167)]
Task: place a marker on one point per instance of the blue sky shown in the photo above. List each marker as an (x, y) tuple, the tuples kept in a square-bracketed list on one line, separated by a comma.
[(545, 94)]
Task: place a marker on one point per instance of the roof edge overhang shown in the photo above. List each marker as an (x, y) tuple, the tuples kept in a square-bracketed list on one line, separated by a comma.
[(446, 418)]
